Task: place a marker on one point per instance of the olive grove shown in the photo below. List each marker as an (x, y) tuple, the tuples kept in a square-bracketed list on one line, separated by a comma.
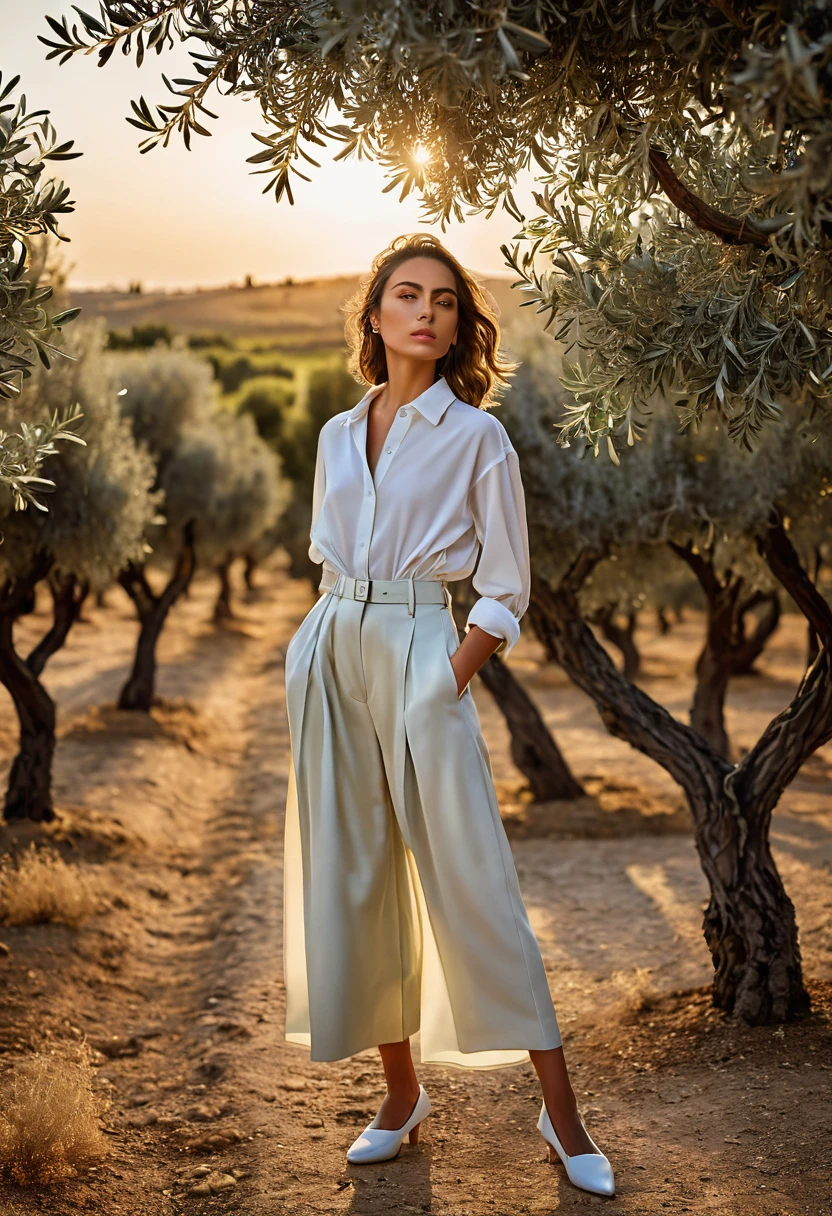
[(679, 253)]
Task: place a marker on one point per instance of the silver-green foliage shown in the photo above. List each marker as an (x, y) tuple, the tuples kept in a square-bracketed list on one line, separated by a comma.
[(164, 393), (227, 480), (454, 98), (29, 205), (650, 302), (103, 497), (213, 468), (249, 493), (685, 486)]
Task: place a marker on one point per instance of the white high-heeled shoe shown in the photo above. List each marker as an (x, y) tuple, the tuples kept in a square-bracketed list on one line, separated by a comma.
[(589, 1171), (381, 1143)]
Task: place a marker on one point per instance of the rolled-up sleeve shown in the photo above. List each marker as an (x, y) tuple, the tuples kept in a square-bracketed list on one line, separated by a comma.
[(503, 573)]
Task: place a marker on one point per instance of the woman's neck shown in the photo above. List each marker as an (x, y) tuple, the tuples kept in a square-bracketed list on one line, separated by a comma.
[(407, 379)]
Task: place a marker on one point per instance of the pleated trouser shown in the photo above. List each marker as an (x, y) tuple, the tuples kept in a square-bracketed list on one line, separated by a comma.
[(402, 907)]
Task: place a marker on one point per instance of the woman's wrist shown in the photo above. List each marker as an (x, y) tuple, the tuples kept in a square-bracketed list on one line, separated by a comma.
[(476, 648)]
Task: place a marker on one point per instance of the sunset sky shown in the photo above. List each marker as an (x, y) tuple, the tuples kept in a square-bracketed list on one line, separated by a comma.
[(175, 218)]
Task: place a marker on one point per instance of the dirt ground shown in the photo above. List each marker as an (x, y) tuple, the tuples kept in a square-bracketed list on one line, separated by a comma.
[(179, 984)]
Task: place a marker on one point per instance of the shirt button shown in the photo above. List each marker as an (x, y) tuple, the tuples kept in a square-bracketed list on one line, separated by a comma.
[(388, 450), (361, 546), (402, 413)]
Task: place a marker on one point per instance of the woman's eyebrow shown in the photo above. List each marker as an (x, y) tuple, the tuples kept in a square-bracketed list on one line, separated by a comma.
[(436, 290)]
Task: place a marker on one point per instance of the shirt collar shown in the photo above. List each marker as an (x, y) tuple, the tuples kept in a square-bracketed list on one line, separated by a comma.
[(431, 404)]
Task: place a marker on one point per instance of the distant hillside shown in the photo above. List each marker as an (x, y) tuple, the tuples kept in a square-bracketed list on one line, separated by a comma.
[(304, 316)]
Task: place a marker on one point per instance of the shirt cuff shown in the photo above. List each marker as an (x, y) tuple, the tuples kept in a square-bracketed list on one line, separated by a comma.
[(328, 576), (496, 619)]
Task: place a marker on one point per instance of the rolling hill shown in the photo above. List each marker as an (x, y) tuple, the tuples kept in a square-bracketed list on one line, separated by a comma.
[(300, 316)]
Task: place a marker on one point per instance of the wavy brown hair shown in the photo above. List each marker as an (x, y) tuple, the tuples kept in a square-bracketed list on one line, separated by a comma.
[(474, 366)]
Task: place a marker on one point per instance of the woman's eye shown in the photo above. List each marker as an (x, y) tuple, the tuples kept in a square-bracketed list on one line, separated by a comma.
[(408, 295)]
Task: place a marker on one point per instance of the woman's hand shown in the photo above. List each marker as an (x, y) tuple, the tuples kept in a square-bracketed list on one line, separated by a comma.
[(475, 648)]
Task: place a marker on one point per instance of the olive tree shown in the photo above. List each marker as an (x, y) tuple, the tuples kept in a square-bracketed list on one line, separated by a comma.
[(29, 206), (741, 613), (625, 589), (102, 502), (222, 487), (247, 498), (740, 512), (169, 398), (682, 244)]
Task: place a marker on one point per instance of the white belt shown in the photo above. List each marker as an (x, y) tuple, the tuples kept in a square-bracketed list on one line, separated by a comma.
[(408, 591)]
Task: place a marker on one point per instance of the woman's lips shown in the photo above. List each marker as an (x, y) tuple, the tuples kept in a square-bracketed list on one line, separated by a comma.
[(424, 337)]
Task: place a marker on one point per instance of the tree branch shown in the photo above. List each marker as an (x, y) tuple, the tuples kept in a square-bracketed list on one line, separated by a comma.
[(702, 568), (68, 595), (786, 743), (626, 711), (729, 10), (726, 227), (782, 559), (16, 591)]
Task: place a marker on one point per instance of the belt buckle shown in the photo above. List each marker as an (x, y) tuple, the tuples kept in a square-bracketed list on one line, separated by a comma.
[(362, 588)]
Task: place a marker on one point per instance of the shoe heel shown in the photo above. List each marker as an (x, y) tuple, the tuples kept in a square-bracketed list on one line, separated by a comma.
[(413, 1134), (553, 1157)]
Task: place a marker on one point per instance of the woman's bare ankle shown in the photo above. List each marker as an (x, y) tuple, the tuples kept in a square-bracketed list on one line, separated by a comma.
[(396, 1108)]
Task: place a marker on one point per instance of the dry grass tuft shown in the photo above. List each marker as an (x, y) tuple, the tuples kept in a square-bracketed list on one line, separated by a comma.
[(638, 992), (41, 886), (49, 1125)]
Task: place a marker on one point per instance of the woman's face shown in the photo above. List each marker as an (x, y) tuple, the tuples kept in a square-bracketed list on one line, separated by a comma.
[(418, 315)]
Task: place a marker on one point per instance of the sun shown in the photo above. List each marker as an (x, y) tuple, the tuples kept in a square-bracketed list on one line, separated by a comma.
[(421, 154)]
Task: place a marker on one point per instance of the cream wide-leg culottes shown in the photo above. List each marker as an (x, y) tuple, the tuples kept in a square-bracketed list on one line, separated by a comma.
[(402, 907)]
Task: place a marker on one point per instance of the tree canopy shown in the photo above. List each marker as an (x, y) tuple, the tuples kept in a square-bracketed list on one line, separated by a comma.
[(103, 498), (683, 235), (29, 207), (682, 489)]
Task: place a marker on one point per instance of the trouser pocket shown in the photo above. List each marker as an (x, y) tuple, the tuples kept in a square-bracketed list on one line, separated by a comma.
[(452, 644)]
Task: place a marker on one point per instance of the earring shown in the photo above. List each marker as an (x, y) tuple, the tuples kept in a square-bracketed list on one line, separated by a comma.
[(375, 330)]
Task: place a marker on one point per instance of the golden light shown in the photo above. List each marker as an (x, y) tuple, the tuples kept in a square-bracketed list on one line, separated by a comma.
[(421, 154)]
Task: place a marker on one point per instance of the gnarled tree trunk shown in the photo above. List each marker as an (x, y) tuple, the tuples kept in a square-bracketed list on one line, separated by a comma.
[(222, 608), (622, 639), (29, 789), (752, 645), (533, 749), (749, 924), (153, 610), (662, 621), (727, 649), (68, 596), (250, 566), (812, 642)]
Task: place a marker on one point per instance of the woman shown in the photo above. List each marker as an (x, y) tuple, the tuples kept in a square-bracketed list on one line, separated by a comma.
[(402, 908)]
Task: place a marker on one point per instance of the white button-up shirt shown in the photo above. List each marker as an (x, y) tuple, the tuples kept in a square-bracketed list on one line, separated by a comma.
[(447, 486)]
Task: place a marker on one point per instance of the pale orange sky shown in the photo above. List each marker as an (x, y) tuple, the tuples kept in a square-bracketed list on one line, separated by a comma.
[(176, 218)]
